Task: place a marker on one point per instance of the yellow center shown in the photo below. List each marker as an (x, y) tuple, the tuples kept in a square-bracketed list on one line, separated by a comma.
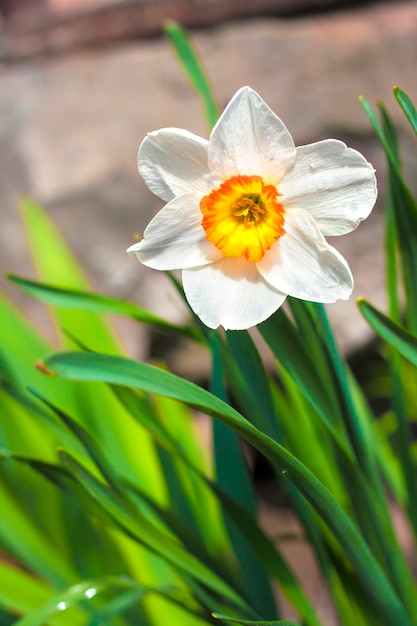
[(243, 217)]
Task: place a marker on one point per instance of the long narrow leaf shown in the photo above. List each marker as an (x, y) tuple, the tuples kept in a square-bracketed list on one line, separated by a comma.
[(236, 620), (147, 533), (194, 70), (407, 106), (84, 592), (284, 341), (233, 477), (395, 335), (79, 300), (12, 580)]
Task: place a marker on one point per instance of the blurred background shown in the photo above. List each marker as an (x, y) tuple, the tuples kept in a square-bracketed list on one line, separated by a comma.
[(83, 81)]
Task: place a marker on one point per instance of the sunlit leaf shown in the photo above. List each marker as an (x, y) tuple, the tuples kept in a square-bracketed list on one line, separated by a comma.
[(78, 300), (13, 580), (81, 594)]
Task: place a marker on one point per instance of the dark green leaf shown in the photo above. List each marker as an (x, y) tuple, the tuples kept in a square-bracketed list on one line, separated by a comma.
[(407, 106), (391, 332)]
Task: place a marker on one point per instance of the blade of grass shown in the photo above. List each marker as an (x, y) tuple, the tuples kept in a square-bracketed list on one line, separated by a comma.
[(28, 544), (395, 335), (78, 300), (82, 593), (237, 620), (46, 243), (118, 433), (155, 414), (256, 397), (285, 343), (12, 580), (271, 558), (194, 69), (407, 106)]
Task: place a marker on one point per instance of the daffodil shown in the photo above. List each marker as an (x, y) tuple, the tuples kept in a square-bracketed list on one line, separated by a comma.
[(247, 213)]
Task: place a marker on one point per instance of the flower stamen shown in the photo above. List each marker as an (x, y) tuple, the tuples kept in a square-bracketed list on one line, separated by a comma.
[(243, 217), (250, 208)]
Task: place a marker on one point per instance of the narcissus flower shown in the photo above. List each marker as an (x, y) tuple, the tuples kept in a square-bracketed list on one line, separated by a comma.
[(247, 213)]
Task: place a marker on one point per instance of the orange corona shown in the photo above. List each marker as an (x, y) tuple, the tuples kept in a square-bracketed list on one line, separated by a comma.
[(243, 217)]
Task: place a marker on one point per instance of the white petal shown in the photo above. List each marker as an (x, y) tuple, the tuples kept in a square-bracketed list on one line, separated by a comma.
[(230, 293), (175, 239), (173, 161), (335, 183), (250, 139), (302, 264)]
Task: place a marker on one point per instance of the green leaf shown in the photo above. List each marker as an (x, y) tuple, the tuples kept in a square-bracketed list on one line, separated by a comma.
[(395, 335), (20, 348), (390, 153), (118, 434), (164, 517), (120, 371), (13, 580), (405, 344), (287, 346), (46, 243), (83, 593), (241, 354), (232, 475), (267, 552), (407, 106), (405, 209), (90, 444), (236, 620), (246, 525), (78, 300), (144, 531), (193, 68), (172, 425), (29, 543)]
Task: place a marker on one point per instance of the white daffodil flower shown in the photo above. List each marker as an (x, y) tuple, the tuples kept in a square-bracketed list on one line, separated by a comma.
[(247, 213)]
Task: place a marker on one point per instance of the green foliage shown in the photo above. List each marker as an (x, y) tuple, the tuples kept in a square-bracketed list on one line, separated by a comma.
[(115, 512), (194, 70), (240, 621)]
